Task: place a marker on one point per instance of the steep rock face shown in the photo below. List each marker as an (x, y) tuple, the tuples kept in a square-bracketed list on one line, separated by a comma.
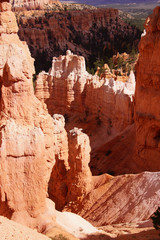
[(70, 90), (89, 33), (122, 199), (26, 133), (147, 98), (35, 4)]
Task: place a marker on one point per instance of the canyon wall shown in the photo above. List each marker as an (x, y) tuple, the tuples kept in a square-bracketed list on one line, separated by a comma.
[(36, 150), (89, 33), (147, 112)]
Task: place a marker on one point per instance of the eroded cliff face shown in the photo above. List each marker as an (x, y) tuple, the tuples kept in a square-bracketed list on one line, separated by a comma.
[(102, 107), (147, 113), (35, 4), (70, 90), (89, 33), (26, 133)]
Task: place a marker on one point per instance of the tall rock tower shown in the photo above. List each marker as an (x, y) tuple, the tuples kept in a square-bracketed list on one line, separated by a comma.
[(26, 132), (147, 110)]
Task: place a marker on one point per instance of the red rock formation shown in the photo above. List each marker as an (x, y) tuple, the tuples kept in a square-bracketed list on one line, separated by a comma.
[(103, 108), (26, 133), (147, 115), (79, 176), (69, 89), (62, 89), (123, 56), (86, 33)]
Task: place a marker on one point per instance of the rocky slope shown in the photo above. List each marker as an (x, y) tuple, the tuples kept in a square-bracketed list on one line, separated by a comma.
[(147, 97), (122, 199), (90, 33)]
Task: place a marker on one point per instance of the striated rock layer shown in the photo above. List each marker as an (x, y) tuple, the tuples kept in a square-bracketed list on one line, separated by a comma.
[(147, 111), (122, 199), (26, 133)]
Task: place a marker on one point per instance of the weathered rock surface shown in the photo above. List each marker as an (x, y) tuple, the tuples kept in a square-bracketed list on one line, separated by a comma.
[(34, 4), (87, 33), (126, 198), (147, 112), (87, 101), (79, 175), (71, 172), (69, 89), (26, 133)]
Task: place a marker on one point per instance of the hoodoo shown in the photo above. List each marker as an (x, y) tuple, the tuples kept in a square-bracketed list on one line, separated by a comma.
[(147, 111), (26, 132), (69, 89)]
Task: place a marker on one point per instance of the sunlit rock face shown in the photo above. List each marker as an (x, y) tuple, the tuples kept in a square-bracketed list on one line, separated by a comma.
[(70, 90), (26, 132)]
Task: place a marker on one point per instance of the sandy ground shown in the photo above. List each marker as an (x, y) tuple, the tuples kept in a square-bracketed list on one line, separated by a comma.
[(10, 230), (72, 226)]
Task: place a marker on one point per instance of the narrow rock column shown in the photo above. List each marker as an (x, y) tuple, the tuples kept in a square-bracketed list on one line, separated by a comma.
[(79, 175)]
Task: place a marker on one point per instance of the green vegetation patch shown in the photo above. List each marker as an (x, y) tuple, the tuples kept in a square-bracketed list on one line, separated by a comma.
[(59, 237)]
